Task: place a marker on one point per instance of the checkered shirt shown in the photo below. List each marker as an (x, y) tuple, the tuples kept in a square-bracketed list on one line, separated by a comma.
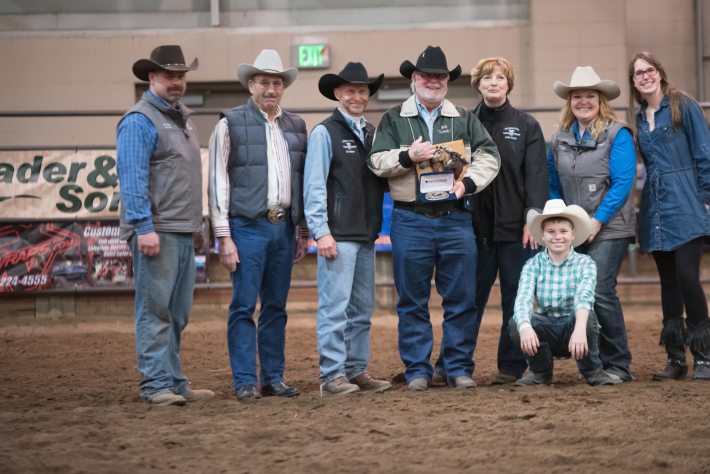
[(557, 289)]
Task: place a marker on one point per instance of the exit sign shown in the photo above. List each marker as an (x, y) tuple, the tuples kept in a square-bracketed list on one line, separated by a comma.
[(310, 56)]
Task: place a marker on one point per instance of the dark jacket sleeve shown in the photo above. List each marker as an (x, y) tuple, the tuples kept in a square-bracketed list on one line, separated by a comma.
[(537, 186)]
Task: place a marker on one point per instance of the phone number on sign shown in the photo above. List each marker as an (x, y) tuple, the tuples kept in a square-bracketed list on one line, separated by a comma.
[(27, 280)]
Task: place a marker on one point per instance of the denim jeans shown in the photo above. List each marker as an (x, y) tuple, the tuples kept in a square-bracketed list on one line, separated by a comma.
[(507, 258), (613, 344), (164, 286), (554, 335), (266, 253), (419, 244), (346, 300)]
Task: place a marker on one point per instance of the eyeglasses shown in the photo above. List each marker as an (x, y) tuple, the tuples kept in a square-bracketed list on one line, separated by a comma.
[(267, 84), (652, 71), (428, 77)]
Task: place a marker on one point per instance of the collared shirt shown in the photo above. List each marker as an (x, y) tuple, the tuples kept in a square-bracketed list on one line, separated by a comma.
[(429, 118), (317, 169), (278, 164), (556, 289), (136, 141)]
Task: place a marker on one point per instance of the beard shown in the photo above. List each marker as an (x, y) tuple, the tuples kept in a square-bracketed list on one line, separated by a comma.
[(175, 95), (432, 95)]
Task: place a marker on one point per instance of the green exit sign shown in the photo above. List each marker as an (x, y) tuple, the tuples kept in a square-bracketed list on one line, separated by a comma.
[(311, 56)]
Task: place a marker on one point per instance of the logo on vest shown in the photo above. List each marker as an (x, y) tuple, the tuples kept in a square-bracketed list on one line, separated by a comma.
[(349, 146), (592, 187), (511, 133), (167, 125)]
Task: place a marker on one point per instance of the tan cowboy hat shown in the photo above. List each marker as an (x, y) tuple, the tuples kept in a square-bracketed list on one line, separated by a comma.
[(586, 78), (557, 208), (268, 62)]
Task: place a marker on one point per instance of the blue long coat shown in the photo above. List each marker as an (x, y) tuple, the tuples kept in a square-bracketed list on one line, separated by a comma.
[(677, 187)]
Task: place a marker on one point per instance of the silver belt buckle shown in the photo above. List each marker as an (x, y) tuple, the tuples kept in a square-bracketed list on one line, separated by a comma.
[(278, 215)]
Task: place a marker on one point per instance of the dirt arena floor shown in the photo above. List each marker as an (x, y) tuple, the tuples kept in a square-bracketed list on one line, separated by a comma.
[(69, 404)]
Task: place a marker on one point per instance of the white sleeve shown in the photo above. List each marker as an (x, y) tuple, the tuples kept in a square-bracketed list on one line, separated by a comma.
[(218, 186)]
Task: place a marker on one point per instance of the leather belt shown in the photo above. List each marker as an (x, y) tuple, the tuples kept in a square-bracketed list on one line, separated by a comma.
[(278, 215), (410, 206)]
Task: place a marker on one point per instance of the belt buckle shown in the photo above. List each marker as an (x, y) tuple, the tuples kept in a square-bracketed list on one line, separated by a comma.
[(277, 215)]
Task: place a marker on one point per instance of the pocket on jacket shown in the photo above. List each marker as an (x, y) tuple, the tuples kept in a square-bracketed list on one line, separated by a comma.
[(593, 192)]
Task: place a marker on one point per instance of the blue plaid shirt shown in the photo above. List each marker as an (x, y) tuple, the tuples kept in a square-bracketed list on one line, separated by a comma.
[(136, 141)]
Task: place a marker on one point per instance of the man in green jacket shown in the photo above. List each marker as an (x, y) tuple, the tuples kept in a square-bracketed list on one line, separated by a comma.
[(427, 233)]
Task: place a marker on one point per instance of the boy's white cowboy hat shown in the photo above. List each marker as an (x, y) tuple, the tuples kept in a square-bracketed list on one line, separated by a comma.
[(586, 78), (268, 62), (557, 208)]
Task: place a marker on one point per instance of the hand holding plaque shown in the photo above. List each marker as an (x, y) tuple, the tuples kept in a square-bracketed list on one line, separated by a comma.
[(438, 175)]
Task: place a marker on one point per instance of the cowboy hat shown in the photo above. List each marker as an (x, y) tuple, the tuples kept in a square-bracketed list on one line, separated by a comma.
[(557, 208), (586, 78), (354, 73), (268, 62), (166, 58), (432, 60)]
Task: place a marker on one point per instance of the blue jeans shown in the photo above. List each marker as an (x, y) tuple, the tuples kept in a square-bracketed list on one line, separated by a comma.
[(613, 344), (266, 253), (554, 335), (507, 258), (346, 300), (419, 244), (164, 286)]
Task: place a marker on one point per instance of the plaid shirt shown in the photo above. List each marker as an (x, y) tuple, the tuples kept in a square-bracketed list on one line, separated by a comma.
[(557, 289)]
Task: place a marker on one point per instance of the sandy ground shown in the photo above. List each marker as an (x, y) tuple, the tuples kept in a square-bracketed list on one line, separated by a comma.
[(69, 404)]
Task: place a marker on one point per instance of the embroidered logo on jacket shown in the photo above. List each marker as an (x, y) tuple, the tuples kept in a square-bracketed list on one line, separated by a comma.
[(511, 133), (349, 146)]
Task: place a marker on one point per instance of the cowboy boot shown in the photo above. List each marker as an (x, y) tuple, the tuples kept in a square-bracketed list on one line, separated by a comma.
[(672, 337), (698, 340), (540, 365)]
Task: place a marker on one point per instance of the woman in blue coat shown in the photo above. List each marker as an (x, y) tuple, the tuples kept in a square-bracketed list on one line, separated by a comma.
[(674, 142)]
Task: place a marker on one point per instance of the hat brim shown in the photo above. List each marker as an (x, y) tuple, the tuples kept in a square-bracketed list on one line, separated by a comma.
[(328, 83), (407, 69), (610, 89), (580, 219), (142, 67), (247, 71)]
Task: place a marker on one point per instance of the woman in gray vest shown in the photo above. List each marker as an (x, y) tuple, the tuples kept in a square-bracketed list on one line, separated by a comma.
[(592, 164)]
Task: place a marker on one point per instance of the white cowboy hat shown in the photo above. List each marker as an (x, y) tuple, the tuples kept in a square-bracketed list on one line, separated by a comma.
[(556, 208), (586, 78), (268, 62)]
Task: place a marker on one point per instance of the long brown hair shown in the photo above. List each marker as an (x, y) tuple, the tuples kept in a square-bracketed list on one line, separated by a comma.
[(674, 95), (605, 117)]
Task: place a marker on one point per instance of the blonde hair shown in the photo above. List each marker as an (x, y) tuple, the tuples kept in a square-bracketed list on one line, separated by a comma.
[(605, 117), (486, 66)]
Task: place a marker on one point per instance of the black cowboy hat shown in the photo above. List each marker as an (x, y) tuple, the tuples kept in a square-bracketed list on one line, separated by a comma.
[(168, 58), (432, 60), (354, 73)]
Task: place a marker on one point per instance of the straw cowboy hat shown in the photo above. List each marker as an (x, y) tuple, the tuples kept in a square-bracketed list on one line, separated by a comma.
[(557, 208), (586, 78), (268, 62), (432, 60), (354, 73), (166, 58)]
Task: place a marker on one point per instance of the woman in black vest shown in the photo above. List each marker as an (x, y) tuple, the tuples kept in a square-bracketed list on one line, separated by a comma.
[(592, 164)]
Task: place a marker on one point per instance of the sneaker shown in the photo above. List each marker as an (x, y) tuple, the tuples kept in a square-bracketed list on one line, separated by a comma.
[(198, 395), (599, 377), (418, 385), (462, 382), (438, 380), (337, 387), (503, 379), (534, 379), (368, 384), (168, 398)]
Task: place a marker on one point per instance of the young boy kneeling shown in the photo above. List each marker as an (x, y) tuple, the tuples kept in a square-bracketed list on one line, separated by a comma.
[(562, 283)]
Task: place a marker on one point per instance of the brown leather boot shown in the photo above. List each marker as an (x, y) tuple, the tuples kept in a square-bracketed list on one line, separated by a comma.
[(438, 380), (368, 384)]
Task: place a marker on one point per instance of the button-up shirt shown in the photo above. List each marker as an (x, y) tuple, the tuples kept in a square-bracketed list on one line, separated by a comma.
[(318, 159), (429, 117), (556, 289)]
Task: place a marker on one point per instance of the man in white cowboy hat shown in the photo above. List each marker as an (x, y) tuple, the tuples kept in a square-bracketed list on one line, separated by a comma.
[(343, 204), (257, 154), (561, 282), (433, 234), (156, 142)]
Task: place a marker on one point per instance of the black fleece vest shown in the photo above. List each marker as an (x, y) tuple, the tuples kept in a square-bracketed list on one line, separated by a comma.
[(355, 194)]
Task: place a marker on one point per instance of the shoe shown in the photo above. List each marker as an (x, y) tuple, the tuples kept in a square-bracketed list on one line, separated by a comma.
[(279, 389), (337, 387), (198, 395), (462, 382), (438, 380), (619, 377), (675, 370), (247, 391), (418, 385), (534, 379), (599, 377), (368, 384), (701, 371), (503, 379), (168, 398), (698, 341)]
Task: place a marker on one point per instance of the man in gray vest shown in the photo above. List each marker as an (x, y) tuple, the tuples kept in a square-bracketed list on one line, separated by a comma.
[(257, 153), (160, 172)]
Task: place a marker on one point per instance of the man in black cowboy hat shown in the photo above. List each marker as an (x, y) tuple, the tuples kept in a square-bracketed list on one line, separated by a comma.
[(160, 171), (433, 234), (343, 205)]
